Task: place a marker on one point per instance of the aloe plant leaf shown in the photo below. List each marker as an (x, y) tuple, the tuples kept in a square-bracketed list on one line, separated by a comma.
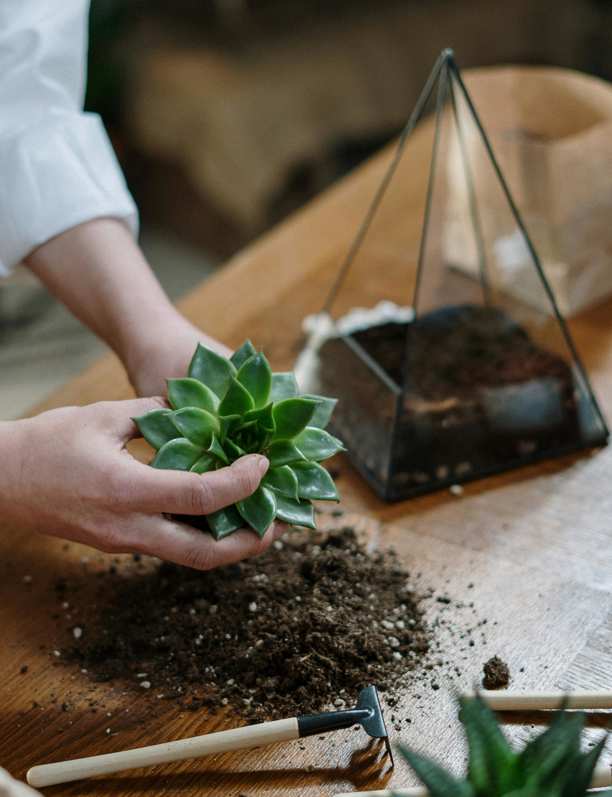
[(191, 393), (217, 450), (206, 463), (323, 412), (232, 450), (196, 425), (317, 444), (314, 482), (156, 427), (439, 783), (282, 452), (259, 509), (178, 454), (255, 375), (212, 370), (490, 755), (283, 480), (264, 417), (296, 513), (224, 522), (291, 416), (283, 386), (237, 400), (579, 778), (241, 355), (543, 755)]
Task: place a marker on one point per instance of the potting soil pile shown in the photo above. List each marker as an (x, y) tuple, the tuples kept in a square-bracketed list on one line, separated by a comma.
[(302, 628)]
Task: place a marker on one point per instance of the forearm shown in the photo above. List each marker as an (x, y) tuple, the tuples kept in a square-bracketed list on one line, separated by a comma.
[(98, 271)]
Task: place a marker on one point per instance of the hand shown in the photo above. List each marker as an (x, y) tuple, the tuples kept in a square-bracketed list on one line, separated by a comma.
[(67, 473), (166, 354)]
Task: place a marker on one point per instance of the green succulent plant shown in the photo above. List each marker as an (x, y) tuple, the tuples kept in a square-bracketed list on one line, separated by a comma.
[(226, 408), (551, 765)]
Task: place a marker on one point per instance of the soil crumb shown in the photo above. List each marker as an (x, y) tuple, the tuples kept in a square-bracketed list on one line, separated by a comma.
[(298, 630), (496, 674)]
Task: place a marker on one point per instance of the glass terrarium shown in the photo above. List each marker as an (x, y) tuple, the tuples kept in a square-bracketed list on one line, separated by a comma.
[(444, 369)]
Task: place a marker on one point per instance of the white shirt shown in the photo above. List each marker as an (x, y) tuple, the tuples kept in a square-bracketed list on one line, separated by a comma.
[(57, 166)]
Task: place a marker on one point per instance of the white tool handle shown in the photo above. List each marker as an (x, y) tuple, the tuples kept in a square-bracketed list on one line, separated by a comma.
[(528, 701), (601, 777), (221, 742)]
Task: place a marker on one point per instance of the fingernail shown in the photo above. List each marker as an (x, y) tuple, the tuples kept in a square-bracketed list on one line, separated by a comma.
[(260, 462)]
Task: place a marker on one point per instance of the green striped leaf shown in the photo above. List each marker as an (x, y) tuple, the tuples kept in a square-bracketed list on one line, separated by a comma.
[(314, 482), (317, 444)]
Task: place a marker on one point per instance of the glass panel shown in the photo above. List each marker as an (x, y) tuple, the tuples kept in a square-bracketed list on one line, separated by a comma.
[(468, 332)]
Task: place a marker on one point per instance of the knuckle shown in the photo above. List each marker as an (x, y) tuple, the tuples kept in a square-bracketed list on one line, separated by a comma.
[(201, 496)]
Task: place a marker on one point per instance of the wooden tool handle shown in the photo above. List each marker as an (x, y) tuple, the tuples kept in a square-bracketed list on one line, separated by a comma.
[(534, 701), (222, 742)]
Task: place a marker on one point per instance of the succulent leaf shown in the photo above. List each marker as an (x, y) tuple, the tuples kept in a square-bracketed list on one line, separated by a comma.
[(314, 482), (224, 522), (283, 386), (227, 408), (317, 444), (189, 392), (282, 452), (178, 454), (259, 509), (237, 400), (196, 425), (255, 375), (228, 424), (291, 416), (283, 480), (156, 427), (296, 513), (216, 449), (323, 412), (211, 369), (241, 355), (206, 463), (264, 418), (232, 450)]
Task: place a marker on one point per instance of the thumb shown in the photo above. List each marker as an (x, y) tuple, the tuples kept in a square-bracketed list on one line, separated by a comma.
[(184, 493)]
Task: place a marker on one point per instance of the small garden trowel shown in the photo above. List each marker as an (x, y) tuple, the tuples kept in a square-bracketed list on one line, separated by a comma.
[(367, 713)]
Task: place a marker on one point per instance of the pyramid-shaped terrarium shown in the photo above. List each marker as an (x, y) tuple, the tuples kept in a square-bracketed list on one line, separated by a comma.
[(444, 371)]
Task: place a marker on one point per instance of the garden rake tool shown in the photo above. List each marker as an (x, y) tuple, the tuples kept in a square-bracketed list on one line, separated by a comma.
[(367, 713)]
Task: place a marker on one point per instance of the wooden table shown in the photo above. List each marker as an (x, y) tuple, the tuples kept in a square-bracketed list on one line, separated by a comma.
[(535, 543)]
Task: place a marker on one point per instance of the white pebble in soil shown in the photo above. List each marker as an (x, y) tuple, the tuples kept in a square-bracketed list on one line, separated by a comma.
[(456, 490)]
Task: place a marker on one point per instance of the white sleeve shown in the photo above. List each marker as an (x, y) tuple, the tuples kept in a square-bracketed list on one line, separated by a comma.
[(57, 166)]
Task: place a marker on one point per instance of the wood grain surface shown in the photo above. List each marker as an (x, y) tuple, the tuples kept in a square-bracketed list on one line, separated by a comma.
[(530, 549)]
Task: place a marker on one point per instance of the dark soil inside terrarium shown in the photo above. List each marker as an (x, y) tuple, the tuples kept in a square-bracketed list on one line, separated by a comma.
[(304, 627), (478, 396), (456, 350)]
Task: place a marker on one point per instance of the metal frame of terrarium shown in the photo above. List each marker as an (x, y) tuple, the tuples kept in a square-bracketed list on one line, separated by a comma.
[(380, 472)]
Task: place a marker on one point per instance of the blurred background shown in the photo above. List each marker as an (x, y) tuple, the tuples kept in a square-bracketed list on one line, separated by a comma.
[(229, 114)]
